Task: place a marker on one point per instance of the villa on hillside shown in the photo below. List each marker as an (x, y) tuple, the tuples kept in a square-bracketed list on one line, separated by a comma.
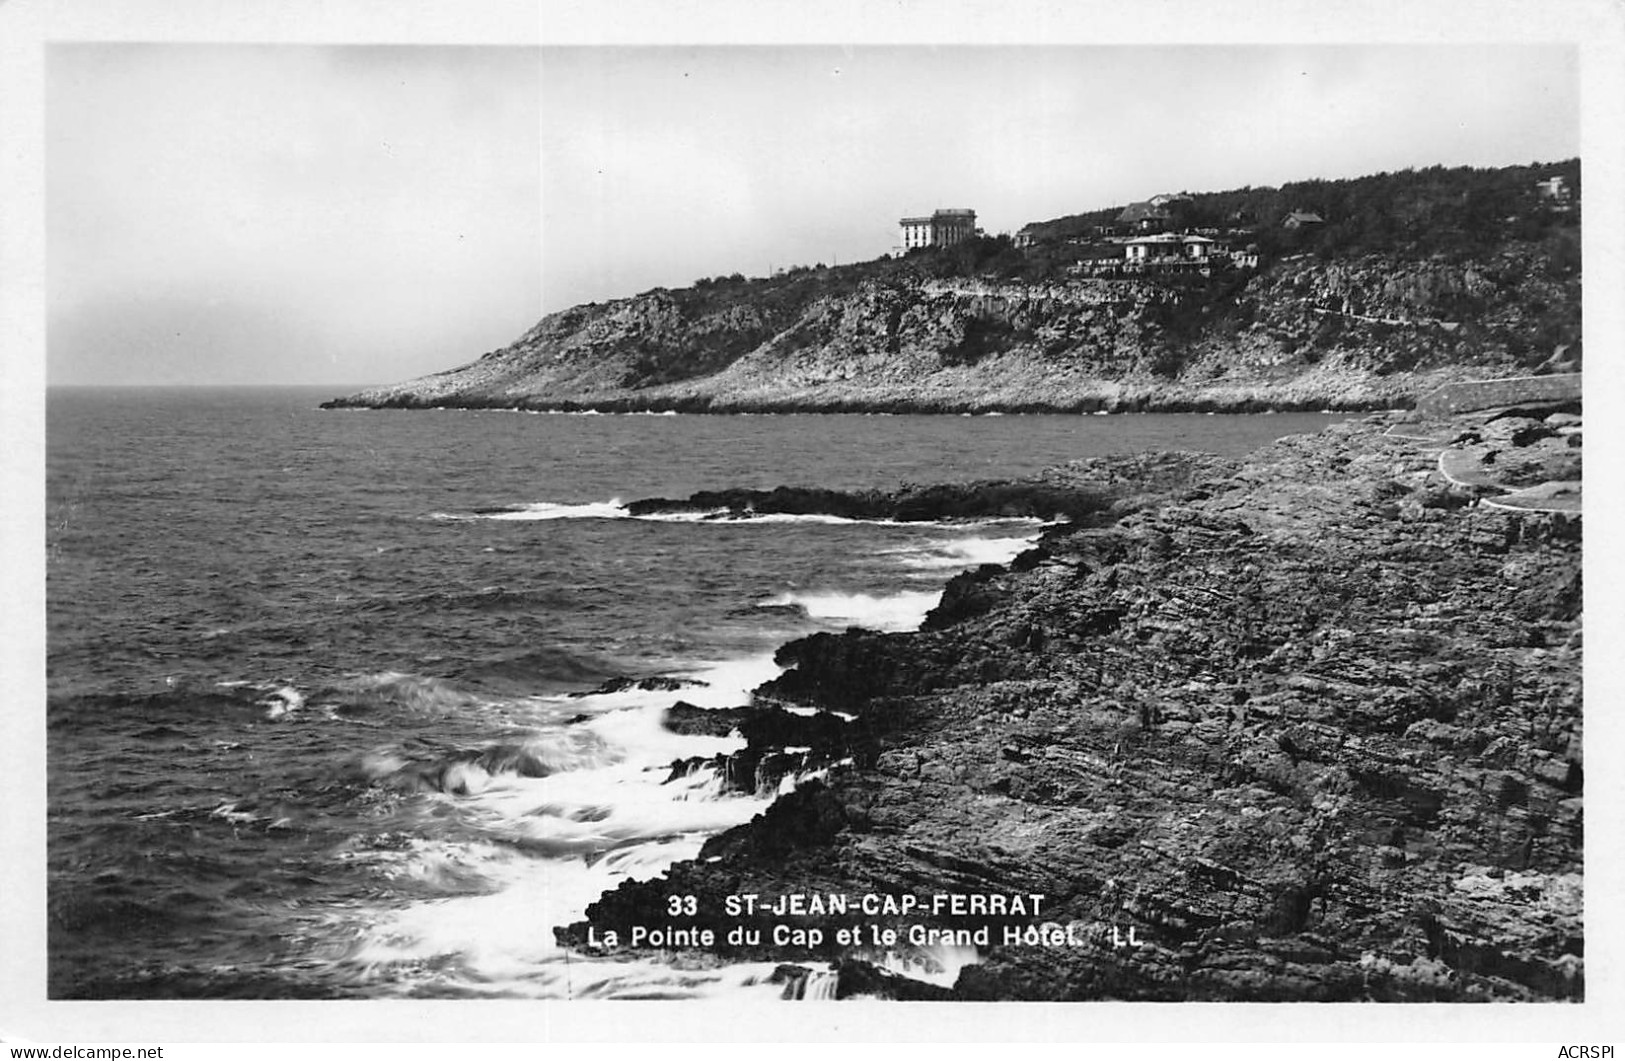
[(1143, 217), (1553, 188), (1161, 253), (1164, 239), (1555, 193), (1154, 214), (1172, 252), (1166, 245), (943, 228), (1302, 219)]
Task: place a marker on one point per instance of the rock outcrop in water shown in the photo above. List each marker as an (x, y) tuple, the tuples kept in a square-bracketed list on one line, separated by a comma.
[(909, 504), (1305, 726)]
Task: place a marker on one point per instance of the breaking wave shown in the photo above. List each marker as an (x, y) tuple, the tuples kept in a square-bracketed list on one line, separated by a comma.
[(965, 552), (616, 509), (547, 824), (892, 613)]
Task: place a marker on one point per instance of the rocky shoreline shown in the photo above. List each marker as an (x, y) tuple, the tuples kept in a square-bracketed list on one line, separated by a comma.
[(1102, 397), (1303, 726)]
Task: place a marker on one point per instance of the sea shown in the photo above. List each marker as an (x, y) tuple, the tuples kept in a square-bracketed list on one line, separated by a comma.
[(333, 708)]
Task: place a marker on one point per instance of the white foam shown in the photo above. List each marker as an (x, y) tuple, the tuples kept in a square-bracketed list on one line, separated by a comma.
[(646, 740), (615, 509), (967, 552), (609, 781), (593, 828), (587, 812), (896, 612), (710, 515), (544, 510), (790, 782), (505, 939), (937, 964), (279, 701), (808, 517), (803, 710), (770, 518), (730, 683), (810, 712), (723, 683)]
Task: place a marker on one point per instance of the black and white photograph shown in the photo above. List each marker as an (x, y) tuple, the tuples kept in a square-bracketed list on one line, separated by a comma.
[(949, 518)]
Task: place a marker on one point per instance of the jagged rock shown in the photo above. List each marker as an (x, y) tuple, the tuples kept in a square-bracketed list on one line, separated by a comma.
[(685, 718), (1292, 748), (660, 683)]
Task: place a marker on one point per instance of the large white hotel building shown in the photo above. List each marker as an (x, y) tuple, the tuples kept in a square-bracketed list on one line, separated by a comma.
[(943, 228)]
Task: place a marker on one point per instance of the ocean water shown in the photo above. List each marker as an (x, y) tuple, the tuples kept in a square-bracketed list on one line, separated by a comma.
[(315, 720)]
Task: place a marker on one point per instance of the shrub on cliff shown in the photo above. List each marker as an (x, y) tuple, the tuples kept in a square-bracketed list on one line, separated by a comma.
[(1416, 212), (983, 336)]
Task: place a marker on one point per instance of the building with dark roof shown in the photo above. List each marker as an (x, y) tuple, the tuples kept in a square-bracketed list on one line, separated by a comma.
[(1145, 216), (1154, 214)]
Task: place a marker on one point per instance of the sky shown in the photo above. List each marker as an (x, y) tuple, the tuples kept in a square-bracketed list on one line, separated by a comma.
[(285, 214), (343, 214)]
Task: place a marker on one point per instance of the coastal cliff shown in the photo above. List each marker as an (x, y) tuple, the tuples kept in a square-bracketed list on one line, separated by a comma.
[(1303, 726), (1371, 332), (1404, 281)]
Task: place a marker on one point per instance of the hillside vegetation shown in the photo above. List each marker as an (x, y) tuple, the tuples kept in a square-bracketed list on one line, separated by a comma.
[(1414, 278)]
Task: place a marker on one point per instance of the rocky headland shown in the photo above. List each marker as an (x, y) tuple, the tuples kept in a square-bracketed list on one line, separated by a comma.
[(1404, 281), (1302, 726), (1305, 334)]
